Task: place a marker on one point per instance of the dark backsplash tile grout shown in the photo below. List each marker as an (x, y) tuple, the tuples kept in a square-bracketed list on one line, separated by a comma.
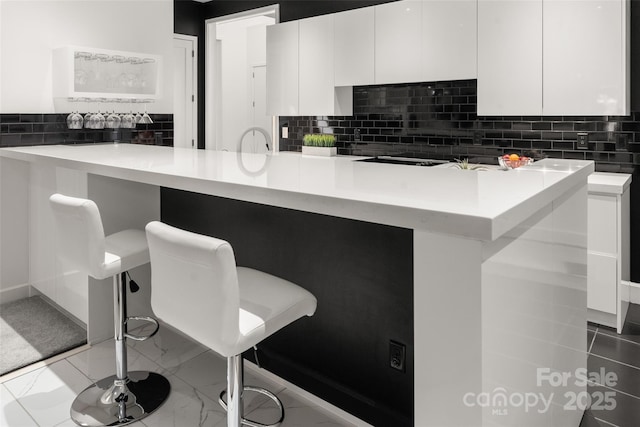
[(49, 129), (439, 119)]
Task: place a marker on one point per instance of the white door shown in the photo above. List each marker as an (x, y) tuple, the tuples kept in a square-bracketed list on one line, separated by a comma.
[(257, 138), (259, 109), (185, 117)]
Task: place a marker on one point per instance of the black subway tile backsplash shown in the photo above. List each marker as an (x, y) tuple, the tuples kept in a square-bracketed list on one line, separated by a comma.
[(50, 129), (439, 119)]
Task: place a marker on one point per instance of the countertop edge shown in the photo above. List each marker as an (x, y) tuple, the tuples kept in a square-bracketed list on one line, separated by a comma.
[(467, 226)]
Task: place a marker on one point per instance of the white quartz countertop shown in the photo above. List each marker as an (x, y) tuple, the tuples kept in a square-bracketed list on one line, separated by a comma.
[(475, 204), (609, 183)]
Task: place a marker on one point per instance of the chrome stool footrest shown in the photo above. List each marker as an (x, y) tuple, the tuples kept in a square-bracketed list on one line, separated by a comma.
[(144, 319), (263, 391)]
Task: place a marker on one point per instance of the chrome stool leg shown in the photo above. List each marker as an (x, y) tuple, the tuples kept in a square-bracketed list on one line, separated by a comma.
[(236, 389), (126, 396)]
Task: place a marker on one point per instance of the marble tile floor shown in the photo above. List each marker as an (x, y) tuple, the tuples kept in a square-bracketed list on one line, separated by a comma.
[(42, 396)]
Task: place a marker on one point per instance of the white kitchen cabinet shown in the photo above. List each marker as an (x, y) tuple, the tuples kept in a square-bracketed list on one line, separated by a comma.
[(532, 57), (602, 279), (85, 72), (354, 47), (509, 57), (449, 40), (575, 30), (282, 69), (608, 248), (300, 75), (398, 42), (318, 94)]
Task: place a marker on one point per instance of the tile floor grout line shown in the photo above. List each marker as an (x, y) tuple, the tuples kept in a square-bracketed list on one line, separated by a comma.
[(606, 422), (618, 337), (616, 361), (173, 330), (614, 389), (15, 399), (78, 369)]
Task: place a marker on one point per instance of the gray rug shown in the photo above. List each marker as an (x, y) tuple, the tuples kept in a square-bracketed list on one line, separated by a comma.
[(32, 330)]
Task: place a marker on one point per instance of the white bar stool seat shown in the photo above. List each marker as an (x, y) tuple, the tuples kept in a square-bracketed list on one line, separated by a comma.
[(197, 288), (126, 396)]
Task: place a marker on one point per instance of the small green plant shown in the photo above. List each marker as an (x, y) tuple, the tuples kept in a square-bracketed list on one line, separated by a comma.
[(319, 140), (464, 164)]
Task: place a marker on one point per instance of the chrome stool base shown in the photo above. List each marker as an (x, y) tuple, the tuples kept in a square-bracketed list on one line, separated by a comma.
[(113, 402), (263, 391)]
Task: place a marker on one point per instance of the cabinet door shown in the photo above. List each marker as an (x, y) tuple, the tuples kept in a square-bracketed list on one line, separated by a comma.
[(353, 47), (316, 88), (585, 57), (282, 69), (449, 39), (509, 57), (602, 282), (602, 224), (398, 42)]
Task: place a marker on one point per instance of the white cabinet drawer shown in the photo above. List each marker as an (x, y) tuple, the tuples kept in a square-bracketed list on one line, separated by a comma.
[(602, 224), (602, 283)]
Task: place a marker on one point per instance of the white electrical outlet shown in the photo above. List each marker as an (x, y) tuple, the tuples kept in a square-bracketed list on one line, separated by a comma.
[(285, 132)]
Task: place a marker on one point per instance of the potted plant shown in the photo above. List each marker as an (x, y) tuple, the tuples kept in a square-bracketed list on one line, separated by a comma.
[(465, 165), (319, 144)]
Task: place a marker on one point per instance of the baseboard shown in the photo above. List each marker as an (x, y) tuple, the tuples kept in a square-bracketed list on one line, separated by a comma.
[(15, 293), (634, 291), (311, 398), (601, 318)]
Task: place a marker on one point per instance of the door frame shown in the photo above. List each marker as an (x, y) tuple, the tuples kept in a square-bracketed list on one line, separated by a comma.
[(194, 78), (213, 73)]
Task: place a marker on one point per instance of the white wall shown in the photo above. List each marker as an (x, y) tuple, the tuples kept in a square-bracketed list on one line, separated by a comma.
[(31, 29)]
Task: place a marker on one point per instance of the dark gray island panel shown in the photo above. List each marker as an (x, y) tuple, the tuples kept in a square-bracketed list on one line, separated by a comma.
[(360, 272)]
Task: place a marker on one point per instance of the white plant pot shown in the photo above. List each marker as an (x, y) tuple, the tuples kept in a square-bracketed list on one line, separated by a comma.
[(319, 151)]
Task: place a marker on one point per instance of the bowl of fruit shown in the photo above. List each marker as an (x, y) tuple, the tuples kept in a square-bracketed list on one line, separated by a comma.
[(512, 161)]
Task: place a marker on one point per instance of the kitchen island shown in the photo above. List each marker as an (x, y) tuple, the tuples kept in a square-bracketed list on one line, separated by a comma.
[(498, 260)]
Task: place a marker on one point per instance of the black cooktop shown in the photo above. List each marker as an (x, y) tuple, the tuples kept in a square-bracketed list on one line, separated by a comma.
[(397, 160)]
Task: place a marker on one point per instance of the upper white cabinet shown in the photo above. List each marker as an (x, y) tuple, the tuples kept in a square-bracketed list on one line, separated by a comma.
[(354, 47), (318, 94), (316, 81), (533, 57), (509, 57), (576, 31), (398, 42), (300, 70), (449, 35), (82, 72), (282, 69)]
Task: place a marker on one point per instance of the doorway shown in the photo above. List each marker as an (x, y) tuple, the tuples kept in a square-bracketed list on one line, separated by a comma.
[(185, 103), (236, 81)]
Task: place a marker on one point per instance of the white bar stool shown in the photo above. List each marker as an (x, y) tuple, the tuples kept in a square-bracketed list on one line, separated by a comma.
[(126, 396), (198, 289)]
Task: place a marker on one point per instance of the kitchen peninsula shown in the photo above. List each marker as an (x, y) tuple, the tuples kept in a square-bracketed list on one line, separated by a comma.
[(491, 267)]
